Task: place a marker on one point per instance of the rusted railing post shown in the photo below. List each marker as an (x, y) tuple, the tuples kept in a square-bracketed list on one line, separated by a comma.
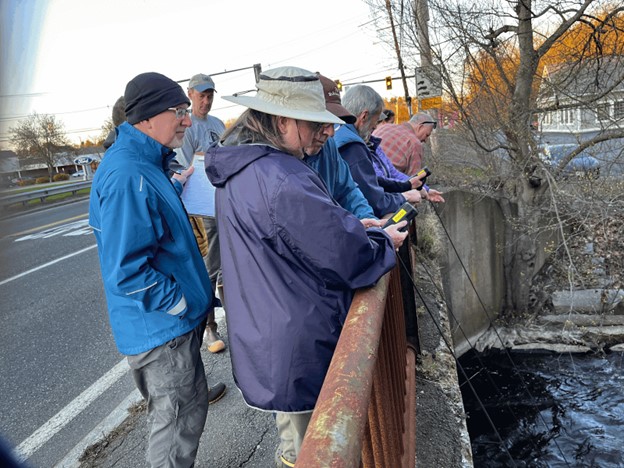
[(365, 414)]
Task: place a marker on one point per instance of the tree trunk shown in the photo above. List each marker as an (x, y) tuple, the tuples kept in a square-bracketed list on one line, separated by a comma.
[(521, 208)]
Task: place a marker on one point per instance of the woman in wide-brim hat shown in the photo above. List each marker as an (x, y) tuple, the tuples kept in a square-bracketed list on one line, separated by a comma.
[(291, 256)]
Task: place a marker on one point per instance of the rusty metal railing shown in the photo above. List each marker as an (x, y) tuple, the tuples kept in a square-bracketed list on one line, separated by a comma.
[(366, 412)]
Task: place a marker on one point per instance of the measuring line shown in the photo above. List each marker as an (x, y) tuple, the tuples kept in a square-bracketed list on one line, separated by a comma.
[(32, 270), (55, 223)]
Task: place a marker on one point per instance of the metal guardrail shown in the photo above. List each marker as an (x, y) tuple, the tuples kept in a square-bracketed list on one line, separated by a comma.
[(366, 412), (42, 194)]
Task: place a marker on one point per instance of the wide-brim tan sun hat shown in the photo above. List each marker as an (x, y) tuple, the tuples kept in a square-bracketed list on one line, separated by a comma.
[(288, 92)]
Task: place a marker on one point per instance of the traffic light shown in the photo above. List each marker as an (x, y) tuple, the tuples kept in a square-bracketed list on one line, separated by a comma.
[(388, 82), (339, 85)]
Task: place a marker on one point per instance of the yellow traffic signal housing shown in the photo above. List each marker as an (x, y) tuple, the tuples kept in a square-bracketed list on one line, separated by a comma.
[(388, 82), (339, 85)]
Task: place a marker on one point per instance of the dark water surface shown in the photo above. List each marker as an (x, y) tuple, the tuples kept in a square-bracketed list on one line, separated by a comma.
[(574, 416)]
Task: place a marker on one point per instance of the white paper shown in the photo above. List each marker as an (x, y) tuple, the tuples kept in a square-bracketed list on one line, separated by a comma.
[(198, 195)]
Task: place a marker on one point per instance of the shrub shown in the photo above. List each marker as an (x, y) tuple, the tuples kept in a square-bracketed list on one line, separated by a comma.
[(24, 182), (59, 177), (42, 180)]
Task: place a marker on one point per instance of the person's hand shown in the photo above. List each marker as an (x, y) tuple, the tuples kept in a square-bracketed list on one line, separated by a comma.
[(416, 182), (184, 175), (412, 196), (434, 196), (397, 236), (371, 222)]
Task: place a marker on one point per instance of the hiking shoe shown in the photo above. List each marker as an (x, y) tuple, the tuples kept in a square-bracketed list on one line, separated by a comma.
[(213, 341), (216, 392)]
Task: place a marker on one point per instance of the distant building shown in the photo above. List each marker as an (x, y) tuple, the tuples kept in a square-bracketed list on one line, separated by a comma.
[(588, 97), (12, 168)]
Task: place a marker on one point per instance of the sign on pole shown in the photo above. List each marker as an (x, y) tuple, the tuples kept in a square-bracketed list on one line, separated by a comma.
[(428, 82), (430, 103), (83, 160)]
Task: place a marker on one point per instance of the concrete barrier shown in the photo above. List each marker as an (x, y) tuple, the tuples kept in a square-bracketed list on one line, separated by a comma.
[(476, 228)]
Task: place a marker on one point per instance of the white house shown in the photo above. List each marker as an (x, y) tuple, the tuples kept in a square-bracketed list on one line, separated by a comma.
[(584, 99)]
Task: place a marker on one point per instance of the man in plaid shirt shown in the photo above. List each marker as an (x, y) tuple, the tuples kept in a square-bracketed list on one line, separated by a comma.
[(403, 143)]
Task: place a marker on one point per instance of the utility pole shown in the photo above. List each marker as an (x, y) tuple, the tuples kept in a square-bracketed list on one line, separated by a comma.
[(422, 28), (421, 8), (408, 99)]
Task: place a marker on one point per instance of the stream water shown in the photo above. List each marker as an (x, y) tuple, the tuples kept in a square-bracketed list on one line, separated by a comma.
[(549, 410)]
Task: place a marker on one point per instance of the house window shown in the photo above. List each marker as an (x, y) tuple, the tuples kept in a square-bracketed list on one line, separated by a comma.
[(602, 111), (618, 110), (566, 116)]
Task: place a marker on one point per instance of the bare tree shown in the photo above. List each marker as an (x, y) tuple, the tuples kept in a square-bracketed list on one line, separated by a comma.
[(39, 138), (107, 127), (493, 56), (118, 116)]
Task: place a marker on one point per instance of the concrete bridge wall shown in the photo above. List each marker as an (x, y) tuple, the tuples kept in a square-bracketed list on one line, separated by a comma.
[(476, 228), (475, 286)]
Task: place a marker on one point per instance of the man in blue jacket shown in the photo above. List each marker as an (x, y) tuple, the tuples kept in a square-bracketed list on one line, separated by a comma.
[(366, 105), (157, 288)]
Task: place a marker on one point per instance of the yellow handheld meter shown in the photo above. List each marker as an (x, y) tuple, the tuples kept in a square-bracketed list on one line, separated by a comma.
[(424, 171), (407, 212)]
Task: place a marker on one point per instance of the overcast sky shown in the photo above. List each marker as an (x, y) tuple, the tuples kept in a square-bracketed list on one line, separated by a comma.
[(73, 58)]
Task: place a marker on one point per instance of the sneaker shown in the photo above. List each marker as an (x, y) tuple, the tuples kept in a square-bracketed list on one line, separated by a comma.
[(213, 341), (216, 392), (285, 463)]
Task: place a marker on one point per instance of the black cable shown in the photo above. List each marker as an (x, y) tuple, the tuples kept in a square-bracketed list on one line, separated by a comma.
[(505, 350), (481, 363), (450, 348)]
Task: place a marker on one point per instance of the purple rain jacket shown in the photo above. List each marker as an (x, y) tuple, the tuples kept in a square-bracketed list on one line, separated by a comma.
[(291, 257)]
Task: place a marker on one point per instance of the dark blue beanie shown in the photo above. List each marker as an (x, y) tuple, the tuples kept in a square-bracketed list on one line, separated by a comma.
[(149, 94)]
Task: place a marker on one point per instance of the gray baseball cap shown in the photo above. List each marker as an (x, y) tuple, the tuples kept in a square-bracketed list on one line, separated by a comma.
[(201, 83)]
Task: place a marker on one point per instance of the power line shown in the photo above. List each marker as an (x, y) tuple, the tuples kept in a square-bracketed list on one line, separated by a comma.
[(19, 117), (23, 95)]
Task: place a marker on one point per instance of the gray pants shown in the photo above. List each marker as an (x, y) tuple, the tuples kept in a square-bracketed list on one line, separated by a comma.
[(171, 378), (291, 427), (213, 262), (213, 257)]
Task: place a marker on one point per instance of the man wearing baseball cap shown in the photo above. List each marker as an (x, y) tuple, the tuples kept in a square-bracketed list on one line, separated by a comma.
[(157, 289), (206, 129), (331, 167)]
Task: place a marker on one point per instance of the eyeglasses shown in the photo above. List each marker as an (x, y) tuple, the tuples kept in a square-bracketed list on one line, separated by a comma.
[(319, 127), (435, 124), (180, 112)]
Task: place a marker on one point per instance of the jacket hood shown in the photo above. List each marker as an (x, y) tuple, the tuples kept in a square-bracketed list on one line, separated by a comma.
[(347, 134), (222, 162)]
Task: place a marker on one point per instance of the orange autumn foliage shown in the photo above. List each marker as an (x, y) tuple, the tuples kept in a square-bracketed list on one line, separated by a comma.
[(491, 80), (600, 36)]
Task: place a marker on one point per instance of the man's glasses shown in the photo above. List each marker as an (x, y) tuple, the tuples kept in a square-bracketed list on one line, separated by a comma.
[(180, 112), (319, 127), (435, 124)]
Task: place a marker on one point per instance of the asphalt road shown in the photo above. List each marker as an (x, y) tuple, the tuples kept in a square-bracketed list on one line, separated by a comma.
[(55, 342), (64, 385)]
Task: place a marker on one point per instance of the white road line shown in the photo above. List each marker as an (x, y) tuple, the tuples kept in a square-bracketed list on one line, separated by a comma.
[(55, 223), (73, 409), (108, 425), (32, 270)]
